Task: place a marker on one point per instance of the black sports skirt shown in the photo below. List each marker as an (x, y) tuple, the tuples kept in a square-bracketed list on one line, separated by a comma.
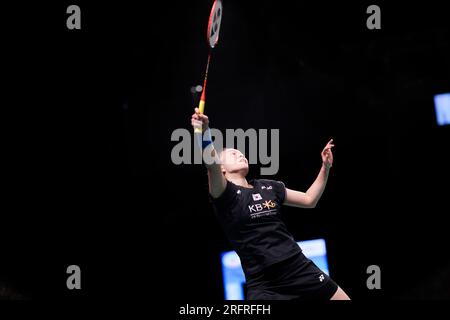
[(296, 278)]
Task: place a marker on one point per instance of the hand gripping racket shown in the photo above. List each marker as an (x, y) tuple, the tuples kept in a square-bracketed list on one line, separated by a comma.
[(212, 37)]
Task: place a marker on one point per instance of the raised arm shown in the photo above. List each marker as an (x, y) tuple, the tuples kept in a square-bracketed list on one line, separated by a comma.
[(216, 179), (310, 198)]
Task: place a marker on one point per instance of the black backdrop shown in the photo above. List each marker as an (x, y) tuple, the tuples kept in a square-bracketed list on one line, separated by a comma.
[(88, 115)]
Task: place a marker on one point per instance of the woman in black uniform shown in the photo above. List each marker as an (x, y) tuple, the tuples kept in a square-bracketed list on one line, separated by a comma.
[(249, 213)]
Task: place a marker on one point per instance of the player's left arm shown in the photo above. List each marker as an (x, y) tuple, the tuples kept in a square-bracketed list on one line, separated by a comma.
[(310, 198)]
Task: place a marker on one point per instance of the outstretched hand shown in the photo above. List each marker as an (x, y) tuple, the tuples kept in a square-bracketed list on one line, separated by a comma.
[(327, 155)]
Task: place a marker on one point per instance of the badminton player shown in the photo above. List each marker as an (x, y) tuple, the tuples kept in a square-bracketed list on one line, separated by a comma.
[(249, 213)]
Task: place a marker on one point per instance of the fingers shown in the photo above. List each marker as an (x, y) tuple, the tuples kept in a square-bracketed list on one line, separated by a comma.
[(199, 114), (327, 154), (329, 145), (197, 111), (199, 119)]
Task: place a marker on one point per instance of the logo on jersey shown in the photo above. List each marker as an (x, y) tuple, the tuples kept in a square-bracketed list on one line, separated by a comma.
[(269, 204), (321, 278), (256, 197), (262, 209)]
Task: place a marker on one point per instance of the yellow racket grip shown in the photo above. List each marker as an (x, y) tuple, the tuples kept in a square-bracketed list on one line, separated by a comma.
[(201, 106)]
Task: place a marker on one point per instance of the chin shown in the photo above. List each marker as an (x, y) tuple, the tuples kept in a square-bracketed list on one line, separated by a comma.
[(239, 168), (243, 168)]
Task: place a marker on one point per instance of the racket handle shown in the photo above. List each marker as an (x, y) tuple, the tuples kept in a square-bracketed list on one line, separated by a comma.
[(198, 126), (201, 106), (198, 130)]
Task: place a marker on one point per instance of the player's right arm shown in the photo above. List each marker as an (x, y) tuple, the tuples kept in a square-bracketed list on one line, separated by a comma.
[(216, 179)]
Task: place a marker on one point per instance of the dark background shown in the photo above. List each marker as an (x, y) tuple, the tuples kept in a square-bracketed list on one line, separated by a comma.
[(88, 115)]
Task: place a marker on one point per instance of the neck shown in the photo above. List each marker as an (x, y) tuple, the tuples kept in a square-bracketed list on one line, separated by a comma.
[(237, 179)]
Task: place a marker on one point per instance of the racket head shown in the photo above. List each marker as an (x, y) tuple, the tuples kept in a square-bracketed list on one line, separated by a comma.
[(215, 19)]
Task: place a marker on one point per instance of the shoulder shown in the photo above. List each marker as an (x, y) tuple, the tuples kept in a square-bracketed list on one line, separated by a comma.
[(227, 195), (277, 187), (268, 182)]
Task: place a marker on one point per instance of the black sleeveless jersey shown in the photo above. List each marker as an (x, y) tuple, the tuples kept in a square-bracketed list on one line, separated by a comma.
[(251, 220)]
